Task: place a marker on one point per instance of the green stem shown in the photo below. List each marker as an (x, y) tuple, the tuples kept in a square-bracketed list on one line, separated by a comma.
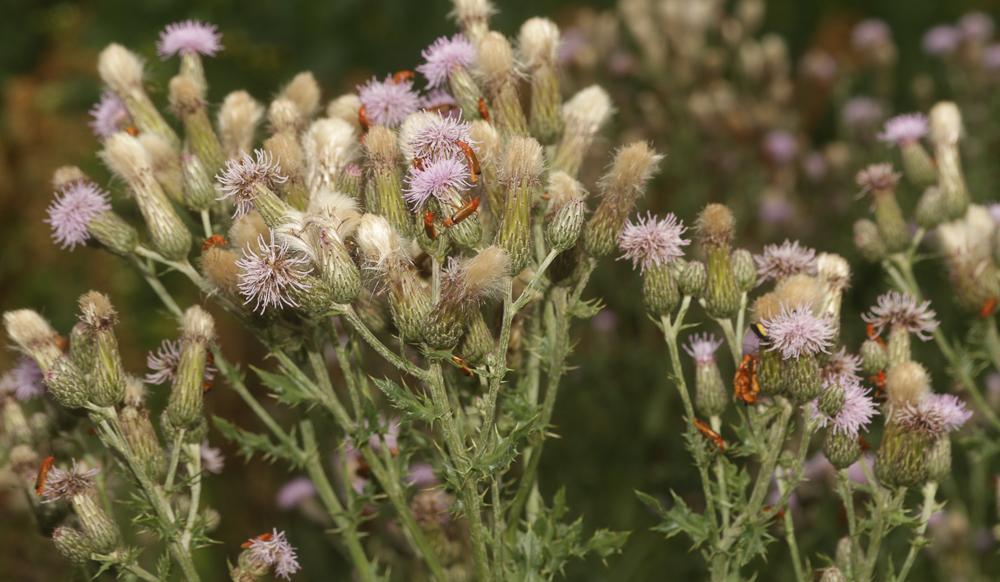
[(390, 356), (847, 495), (206, 223), (175, 457), (720, 476), (193, 464), (929, 505), (141, 573), (793, 546)]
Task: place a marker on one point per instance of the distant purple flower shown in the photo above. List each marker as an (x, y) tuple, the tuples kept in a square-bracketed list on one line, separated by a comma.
[(275, 552), (269, 274), (877, 178), (861, 113), (438, 139), (212, 459), (443, 57), (840, 368), (72, 209), (295, 493), (870, 34), (701, 347), (388, 434), (650, 242), (238, 179), (163, 362), (781, 146), (976, 27), (904, 129), (797, 332), (189, 36), (437, 179), (388, 102), (895, 309), (935, 414), (775, 209), (421, 475), (573, 42), (65, 484), (109, 115), (814, 165), (621, 63), (24, 380), (994, 209), (942, 40), (991, 57), (819, 65), (856, 413), (780, 261)]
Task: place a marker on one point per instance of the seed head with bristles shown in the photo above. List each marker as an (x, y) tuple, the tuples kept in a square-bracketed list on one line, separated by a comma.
[(895, 309), (304, 93), (522, 162), (587, 110), (538, 41), (238, 118), (877, 178), (495, 58), (784, 260), (65, 484), (715, 225), (238, 179), (477, 278), (120, 68), (379, 243), (270, 273)]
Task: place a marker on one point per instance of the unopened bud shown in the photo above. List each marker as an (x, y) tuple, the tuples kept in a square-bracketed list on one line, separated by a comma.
[(868, 240), (691, 277), (874, 357), (72, 544), (901, 457), (632, 169), (744, 269), (107, 376), (841, 449), (33, 336), (184, 409), (521, 169), (142, 440)]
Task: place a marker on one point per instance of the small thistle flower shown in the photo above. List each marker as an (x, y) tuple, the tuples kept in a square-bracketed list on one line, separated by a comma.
[(437, 179), (941, 40), (935, 414), (275, 552), (649, 242), (270, 273), (387, 435), (701, 348), (189, 36), (108, 115), (295, 493), (798, 332), (877, 178), (437, 138), (443, 56), (976, 27), (24, 380), (895, 309), (861, 113), (781, 146), (212, 459), (841, 368), (74, 206), (388, 102), (857, 411), (163, 362), (782, 261), (238, 178), (65, 484), (904, 129)]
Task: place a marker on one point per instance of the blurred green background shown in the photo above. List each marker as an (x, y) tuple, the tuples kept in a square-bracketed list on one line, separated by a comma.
[(617, 424)]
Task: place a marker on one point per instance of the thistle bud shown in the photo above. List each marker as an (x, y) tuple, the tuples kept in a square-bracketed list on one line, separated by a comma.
[(868, 241), (326, 249), (382, 149), (831, 401), (218, 264), (744, 269), (114, 233), (142, 440), (900, 460), (287, 153), (122, 71), (473, 17), (125, 156), (832, 574), (906, 383), (188, 103), (107, 376), (496, 64), (464, 285), (874, 357), (563, 228), (72, 544), (715, 231), (98, 527), (659, 290), (304, 93), (939, 459), (329, 145), (33, 336), (710, 395), (478, 340), (582, 116), (880, 181), (967, 245), (166, 165), (946, 130), (770, 373), (184, 409), (691, 277), (345, 108), (918, 167), (799, 336), (802, 378), (632, 169), (537, 43), (841, 449), (237, 120), (67, 384), (520, 173)]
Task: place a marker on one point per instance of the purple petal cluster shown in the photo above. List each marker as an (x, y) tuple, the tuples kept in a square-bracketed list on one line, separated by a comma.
[(861, 113), (238, 178), (439, 138), (856, 413), (781, 146), (437, 179), (701, 347), (976, 27), (163, 362), (388, 435), (780, 261), (71, 211), (24, 380), (841, 368), (109, 115), (895, 309), (797, 332), (269, 274), (650, 242), (904, 129), (189, 36), (935, 414), (443, 57), (65, 484), (442, 102), (276, 553), (388, 102)]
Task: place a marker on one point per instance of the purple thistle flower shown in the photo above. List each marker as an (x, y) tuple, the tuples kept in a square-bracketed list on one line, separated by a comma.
[(421, 475), (295, 492), (935, 414), (895, 309), (436, 179), (942, 40), (841, 368), (388, 102), (444, 56), (870, 34), (189, 36), (976, 27), (108, 115), (24, 380), (267, 275), (649, 242), (63, 484), (781, 146), (861, 113), (819, 65), (856, 413), (238, 178), (904, 129), (71, 211), (876, 178), (275, 552), (784, 260), (437, 139), (212, 459), (701, 347), (163, 363), (797, 332)]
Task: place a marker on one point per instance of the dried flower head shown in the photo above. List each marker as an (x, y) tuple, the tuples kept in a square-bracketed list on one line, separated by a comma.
[(436, 179), (895, 309), (841, 368), (701, 347), (477, 278), (538, 41), (650, 242), (784, 260), (443, 57), (64, 484), (238, 179), (797, 332), (379, 243), (24, 380), (212, 459), (71, 211), (877, 178), (275, 552), (189, 36), (388, 102), (856, 413), (935, 414), (269, 274), (109, 115), (904, 129)]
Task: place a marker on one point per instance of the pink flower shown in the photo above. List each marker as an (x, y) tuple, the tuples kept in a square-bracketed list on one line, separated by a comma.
[(189, 36), (856, 413), (71, 211), (701, 348), (650, 242), (437, 179), (870, 34), (438, 138), (240, 176), (841, 368), (24, 380), (109, 115), (941, 40), (444, 56), (388, 434), (904, 129), (781, 146), (421, 475), (895, 309), (784, 260), (275, 552), (976, 27), (861, 113), (269, 274), (388, 102), (295, 493), (798, 332), (935, 414)]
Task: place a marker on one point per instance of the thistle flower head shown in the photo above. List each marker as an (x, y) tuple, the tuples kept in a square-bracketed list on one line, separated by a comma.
[(877, 178), (238, 178), (434, 136), (861, 113), (163, 361), (379, 243), (443, 57), (24, 380), (650, 242), (477, 278), (935, 414), (870, 34), (538, 41), (71, 211), (436, 179), (797, 332), (212, 459), (781, 146), (275, 552), (108, 115), (904, 129), (64, 484), (189, 36), (269, 274), (856, 413), (701, 347), (976, 27), (784, 260), (941, 40), (895, 309), (841, 368), (388, 102), (441, 101), (120, 68), (295, 492), (587, 110)]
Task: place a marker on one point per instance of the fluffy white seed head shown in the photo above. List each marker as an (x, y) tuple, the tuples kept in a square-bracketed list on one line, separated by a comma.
[(238, 119), (329, 145), (538, 41), (564, 188), (197, 325), (485, 273), (66, 175), (303, 91), (946, 123), (346, 108), (906, 383), (185, 95), (284, 115), (411, 126), (126, 156), (523, 160), (495, 57), (27, 328), (587, 111), (379, 242), (120, 68), (341, 210), (487, 140)]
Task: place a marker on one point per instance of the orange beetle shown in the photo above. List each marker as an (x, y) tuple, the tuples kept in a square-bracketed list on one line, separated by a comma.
[(873, 335), (463, 366), (429, 229), (43, 473), (988, 308), (264, 537), (746, 386), (363, 119), (402, 76), (483, 111), (470, 157), (132, 130), (462, 213), (216, 240), (710, 434)]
